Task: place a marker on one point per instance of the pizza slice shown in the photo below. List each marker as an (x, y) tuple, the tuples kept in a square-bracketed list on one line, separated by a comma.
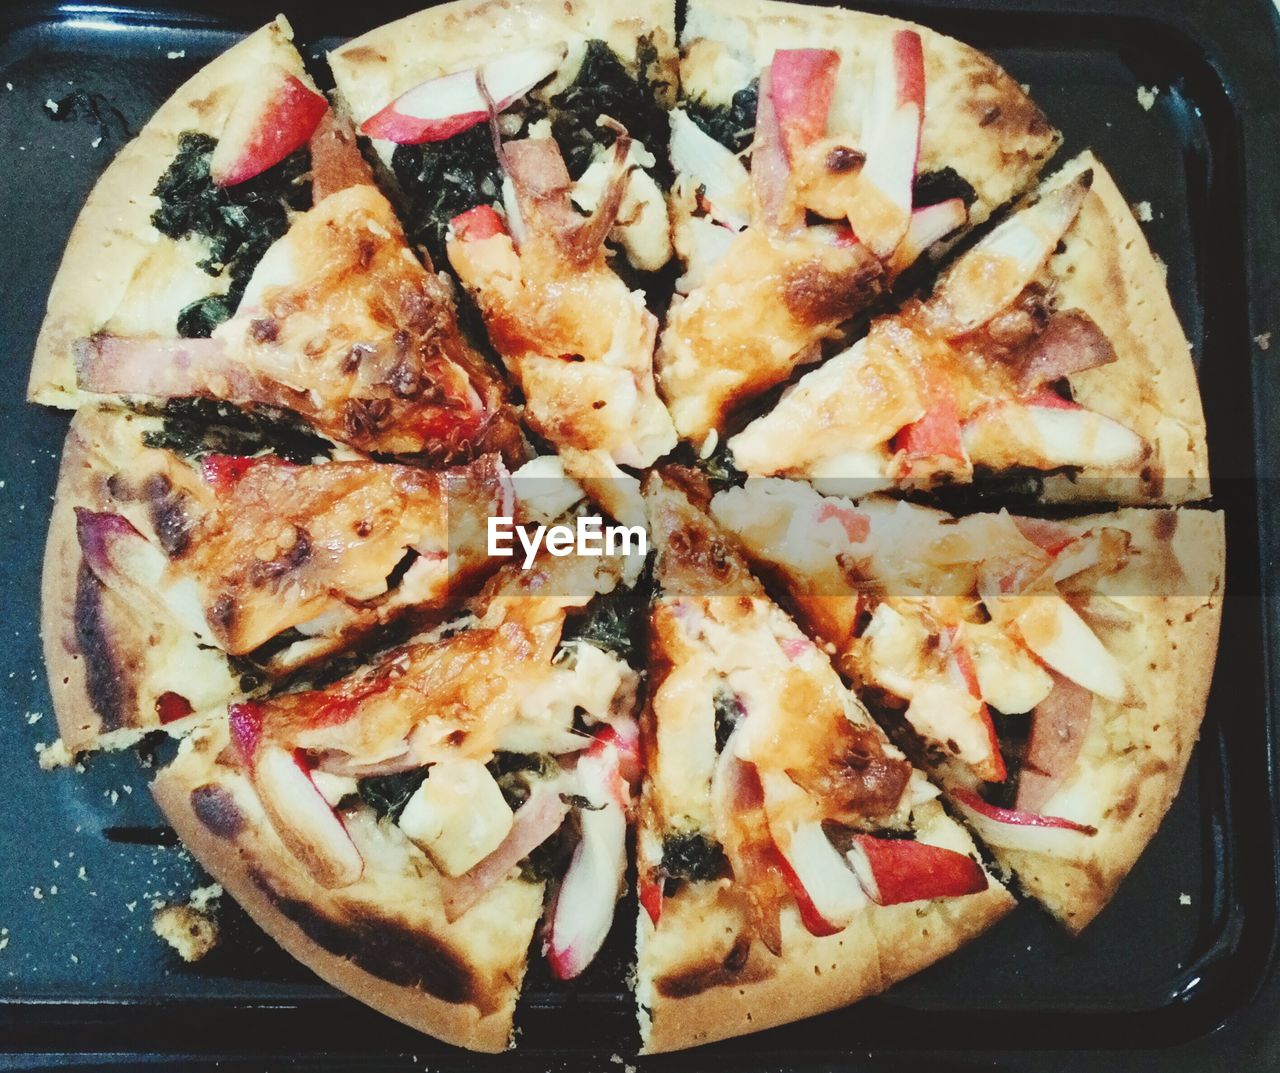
[(172, 581), (790, 859), (238, 250), (817, 154), (528, 143), (1050, 347), (1052, 674), (396, 831)]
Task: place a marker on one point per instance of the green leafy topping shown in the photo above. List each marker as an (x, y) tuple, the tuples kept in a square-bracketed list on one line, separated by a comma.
[(195, 427), (611, 621), (729, 710), (441, 180), (515, 774), (604, 86), (387, 795), (239, 222), (692, 855), (734, 124), (549, 860)]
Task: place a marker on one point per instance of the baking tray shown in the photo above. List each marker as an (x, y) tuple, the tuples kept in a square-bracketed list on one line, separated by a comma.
[(1155, 983)]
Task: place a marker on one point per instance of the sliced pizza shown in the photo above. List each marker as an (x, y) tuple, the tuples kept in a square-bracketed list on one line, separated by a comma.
[(272, 563), (1051, 347), (790, 859), (817, 154), (524, 138), (396, 830), (1052, 674)]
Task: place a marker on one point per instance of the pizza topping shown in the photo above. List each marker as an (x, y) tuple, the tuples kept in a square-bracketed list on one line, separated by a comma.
[(458, 815), (1070, 342), (304, 820), (929, 225), (535, 822), (275, 115), (170, 707), (731, 124), (991, 275), (722, 180), (583, 909), (894, 870), (1048, 433), (237, 223), (450, 104), (1016, 829), (1058, 728), (828, 895), (1052, 629), (336, 161)]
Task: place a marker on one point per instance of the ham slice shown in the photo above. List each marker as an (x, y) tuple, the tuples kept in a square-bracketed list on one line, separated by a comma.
[(1070, 343), (535, 821), (336, 162), (1058, 728)]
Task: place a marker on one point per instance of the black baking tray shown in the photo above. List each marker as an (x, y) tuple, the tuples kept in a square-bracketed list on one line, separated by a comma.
[(1155, 983)]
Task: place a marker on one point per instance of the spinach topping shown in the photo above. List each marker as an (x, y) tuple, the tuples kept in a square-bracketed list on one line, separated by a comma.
[(194, 427), (941, 184), (611, 621), (692, 855), (239, 222), (515, 774), (729, 710), (734, 124), (549, 860), (387, 795), (604, 86), (442, 179)]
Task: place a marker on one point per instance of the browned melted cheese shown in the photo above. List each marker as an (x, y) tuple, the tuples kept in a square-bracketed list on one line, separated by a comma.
[(767, 301), (578, 341), (359, 338)]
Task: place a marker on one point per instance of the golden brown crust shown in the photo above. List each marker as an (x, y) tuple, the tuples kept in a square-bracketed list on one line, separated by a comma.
[(1160, 616), (978, 120), (1107, 270), (108, 661), (699, 1004), (382, 940)]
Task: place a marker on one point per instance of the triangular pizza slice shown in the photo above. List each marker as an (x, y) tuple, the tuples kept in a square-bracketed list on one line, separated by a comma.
[(1052, 674), (397, 831), (791, 860), (818, 153), (174, 580), (527, 142), (1050, 347)]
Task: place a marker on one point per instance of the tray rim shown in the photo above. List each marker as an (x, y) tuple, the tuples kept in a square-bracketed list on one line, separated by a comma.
[(1246, 67)]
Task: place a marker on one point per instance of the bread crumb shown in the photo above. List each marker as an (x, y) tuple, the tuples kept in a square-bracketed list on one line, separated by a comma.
[(52, 105), (1184, 899), (202, 897), (190, 932), (1142, 210), (1147, 97), (54, 754), (1263, 341), (37, 894), (177, 54), (34, 717)]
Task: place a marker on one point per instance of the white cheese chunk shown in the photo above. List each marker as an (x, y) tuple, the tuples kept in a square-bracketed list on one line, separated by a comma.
[(458, 816)]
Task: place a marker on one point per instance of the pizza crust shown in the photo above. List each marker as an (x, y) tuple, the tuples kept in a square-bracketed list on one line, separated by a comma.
[(118, 270), (110, 661), (1107, 270), (814, 975), (1134, 757), (985, 127), (383, 940)]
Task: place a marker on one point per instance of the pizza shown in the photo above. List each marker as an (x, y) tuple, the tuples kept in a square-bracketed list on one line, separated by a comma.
[(906, 580)]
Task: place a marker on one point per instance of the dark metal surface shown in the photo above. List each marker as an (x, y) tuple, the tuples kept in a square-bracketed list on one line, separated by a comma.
[(1154, 983)]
